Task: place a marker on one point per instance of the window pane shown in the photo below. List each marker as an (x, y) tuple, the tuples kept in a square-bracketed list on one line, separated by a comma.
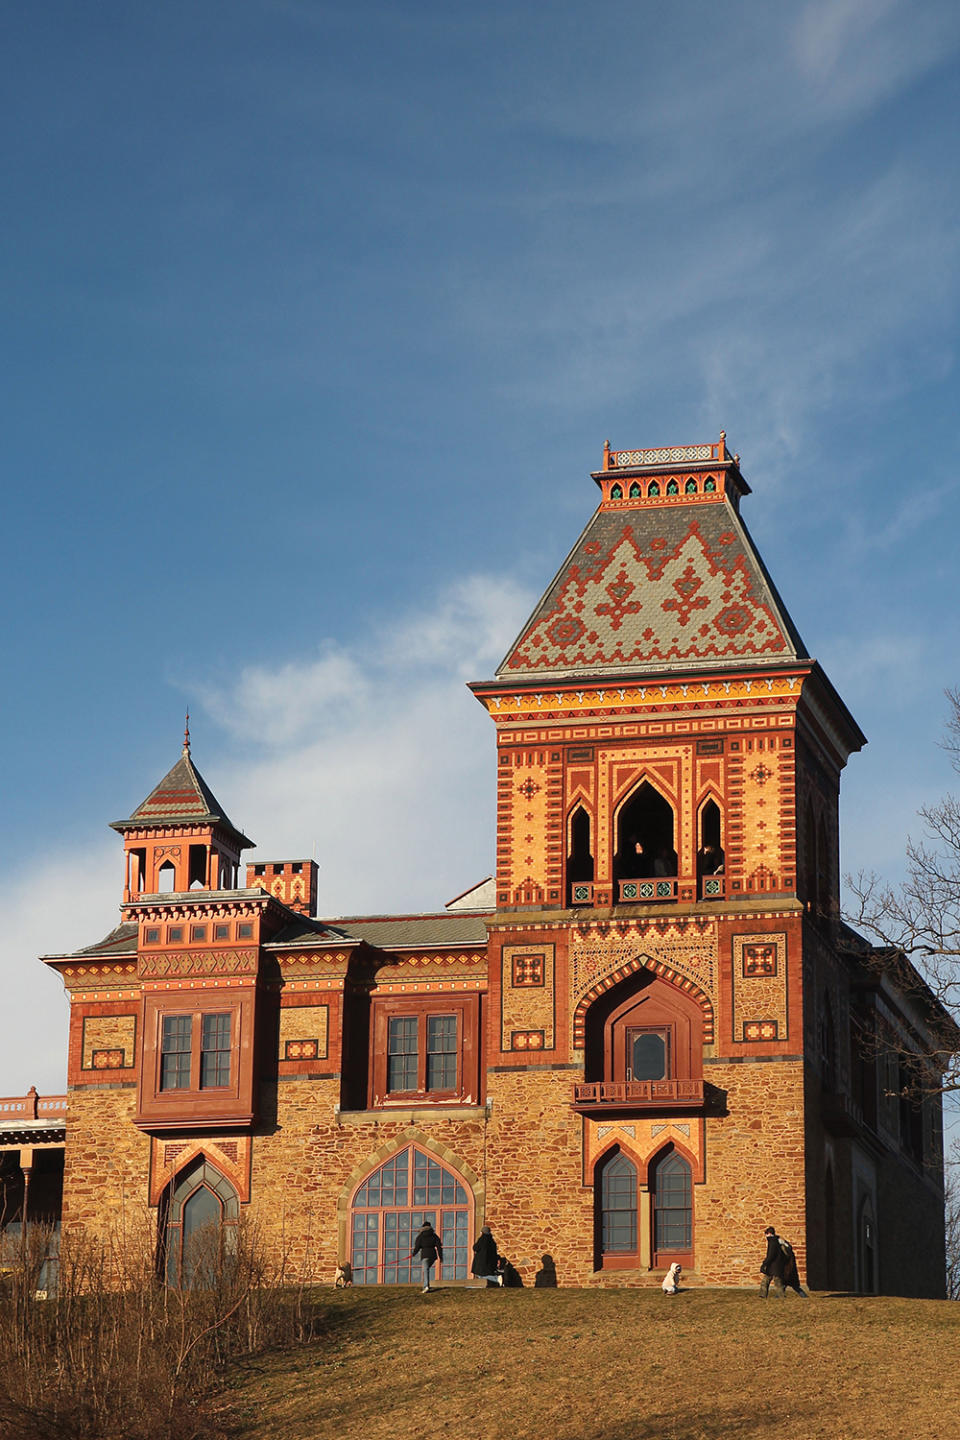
[(673, 1215), (618, 1204), (175, 1052), (402, 1052), (649, 1057), (441, 1052), (215, 1051)]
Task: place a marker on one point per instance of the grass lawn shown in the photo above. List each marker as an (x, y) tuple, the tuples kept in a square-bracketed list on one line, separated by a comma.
[(610, 1365)]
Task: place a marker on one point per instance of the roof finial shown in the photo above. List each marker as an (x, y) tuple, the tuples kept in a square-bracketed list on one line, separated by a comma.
[(186, 735)]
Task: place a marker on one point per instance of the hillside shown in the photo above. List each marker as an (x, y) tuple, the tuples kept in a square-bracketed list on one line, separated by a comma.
[(611, 1365)]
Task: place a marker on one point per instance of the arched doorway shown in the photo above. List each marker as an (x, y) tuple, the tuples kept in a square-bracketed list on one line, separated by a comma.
[(390, 1206), (671, 1187), (198, 1225)]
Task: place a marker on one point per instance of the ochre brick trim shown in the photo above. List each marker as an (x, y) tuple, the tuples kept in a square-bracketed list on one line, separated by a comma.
[(630, 967), (412, 1135)]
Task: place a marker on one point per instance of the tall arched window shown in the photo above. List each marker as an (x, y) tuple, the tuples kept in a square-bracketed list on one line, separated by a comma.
[(672, 1190), (580, 857), (691, 486), (634, 491), (644, 836), (198, 1226), (388, 1210), (617, 1207), (616, 492), (673, 488)]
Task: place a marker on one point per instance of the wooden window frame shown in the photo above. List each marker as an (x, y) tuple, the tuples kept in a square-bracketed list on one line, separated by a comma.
[(465, 1091), (196, 1104)]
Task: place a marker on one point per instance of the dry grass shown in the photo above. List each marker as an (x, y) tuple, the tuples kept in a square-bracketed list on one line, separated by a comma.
[(610, 1365)]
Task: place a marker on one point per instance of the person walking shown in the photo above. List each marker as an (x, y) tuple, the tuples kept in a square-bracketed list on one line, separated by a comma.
[(427, 1245), (791, 1275), (772, 1265), (485, 1258)]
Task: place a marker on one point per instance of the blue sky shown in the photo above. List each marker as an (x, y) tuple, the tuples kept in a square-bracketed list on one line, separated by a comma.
[(315, 318)]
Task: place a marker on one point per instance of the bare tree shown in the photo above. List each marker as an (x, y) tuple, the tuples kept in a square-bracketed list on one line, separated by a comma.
[(952, 1222), (918, 926)]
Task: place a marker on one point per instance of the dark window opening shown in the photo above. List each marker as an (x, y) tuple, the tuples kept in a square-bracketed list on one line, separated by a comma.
[(244, 931), (644, 837), (198, 1221), (580, 858), (710, 856), (691, 486), (221, 932), (653, 489), (441, 1052), (616, 493), (634, 491), (296, 869), (259, 869), (198, 868), (138, 870), (648, 1053), (709, 485), (673, 488), (402, 1053)]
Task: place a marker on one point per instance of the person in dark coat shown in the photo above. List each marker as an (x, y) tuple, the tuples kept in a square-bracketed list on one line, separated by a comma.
[(772, 1265), (791, 1275), (485, 1258), (427, 1245)]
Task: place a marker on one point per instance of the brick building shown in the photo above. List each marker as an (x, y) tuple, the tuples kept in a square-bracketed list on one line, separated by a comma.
[(649, 1036)]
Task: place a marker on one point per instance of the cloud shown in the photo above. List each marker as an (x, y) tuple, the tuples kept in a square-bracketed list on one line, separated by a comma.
[(376, 759)]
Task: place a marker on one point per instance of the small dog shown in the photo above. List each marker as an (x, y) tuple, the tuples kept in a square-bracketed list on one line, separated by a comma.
[(344, 1275)]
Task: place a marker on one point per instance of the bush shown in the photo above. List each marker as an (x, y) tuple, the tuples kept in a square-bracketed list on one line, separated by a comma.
[(112, 1352)]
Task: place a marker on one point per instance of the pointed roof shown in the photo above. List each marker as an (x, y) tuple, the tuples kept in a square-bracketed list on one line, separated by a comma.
[(665, 576), (183, 797)]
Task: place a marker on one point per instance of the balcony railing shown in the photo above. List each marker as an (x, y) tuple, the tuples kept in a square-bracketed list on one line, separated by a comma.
[(713, 887), (601, 1095), (639, 892), (20, 1108)]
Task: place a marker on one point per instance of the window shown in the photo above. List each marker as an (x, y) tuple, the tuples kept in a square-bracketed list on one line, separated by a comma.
[(691, 486), (198, 932), (221, 932), (388, 1210), (151, 935), (634, 491), (244, 931), (673, 488), (179, 1051), (672, 1208), (421, 1053), (424, 1049), (198, 1220), (616, 492), (653, 490), (710, 485), (618, 1207), (174, 934)]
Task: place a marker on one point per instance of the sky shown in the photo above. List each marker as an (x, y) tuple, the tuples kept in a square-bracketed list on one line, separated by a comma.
[(314, 318)]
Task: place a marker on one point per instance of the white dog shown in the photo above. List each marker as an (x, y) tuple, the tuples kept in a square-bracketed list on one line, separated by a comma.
[(671, 1281)]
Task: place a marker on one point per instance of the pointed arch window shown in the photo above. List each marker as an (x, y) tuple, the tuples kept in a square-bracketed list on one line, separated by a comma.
[(709, 485), (645, 828), (580, 855), (617, 1206), (198, 1226), (710, 855), (653, 490), (390, 1206), (673, 488), (616, 492), (691, 486), (166, 878), (672, 1190), (634, 491)]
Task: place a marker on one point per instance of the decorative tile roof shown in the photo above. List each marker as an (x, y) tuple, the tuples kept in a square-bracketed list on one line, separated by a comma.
[(183, 797), (121, 941), (656, 587), (390, 932)]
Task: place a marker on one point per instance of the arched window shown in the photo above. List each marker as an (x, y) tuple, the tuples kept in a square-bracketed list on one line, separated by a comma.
[(672, 1190), (691, 486), (617, 1207), (166, 878), (388, 1210), (673, 488), (634, 491), (653, 490), (616, 492), (198, 1226), (644, 836), (709, 485), (579, 858), (710, 857)]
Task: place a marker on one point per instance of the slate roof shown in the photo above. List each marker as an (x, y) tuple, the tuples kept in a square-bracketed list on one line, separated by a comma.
[(390, 932), (183, 797), (657, 587), (121, 941)]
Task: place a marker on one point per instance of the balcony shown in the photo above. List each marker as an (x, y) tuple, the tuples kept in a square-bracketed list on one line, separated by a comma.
[(601, 1097)]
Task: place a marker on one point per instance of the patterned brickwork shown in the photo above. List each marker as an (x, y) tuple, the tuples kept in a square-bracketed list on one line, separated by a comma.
[(303, 1032), (759, 987), (530, 827), (686, 949), (157, 965), (231, 1156), (528, 1007), (112, 1037)]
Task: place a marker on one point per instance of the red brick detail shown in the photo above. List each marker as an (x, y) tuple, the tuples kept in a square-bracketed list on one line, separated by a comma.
[(631, 967)]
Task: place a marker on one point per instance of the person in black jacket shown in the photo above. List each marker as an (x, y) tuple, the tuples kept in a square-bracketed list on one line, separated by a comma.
[(427, 1245), (772, 1266), (485, 1258)]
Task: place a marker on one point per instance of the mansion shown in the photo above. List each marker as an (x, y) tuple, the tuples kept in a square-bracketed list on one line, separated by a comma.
[(645, 1038)]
